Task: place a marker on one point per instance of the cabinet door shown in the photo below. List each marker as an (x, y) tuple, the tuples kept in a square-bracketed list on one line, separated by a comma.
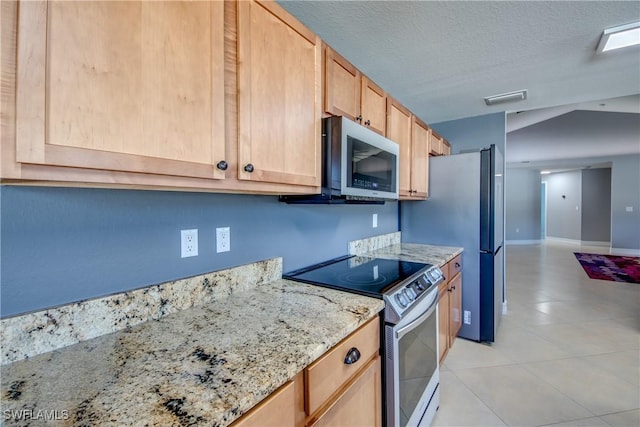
[(283, 408), (360, 404), (399, 131), (279, 104), (342, 86), (125, 86), (443, 322), (455, 307), (330, 373), (435, 145), (420, 159), (373, 106), (446, 148)]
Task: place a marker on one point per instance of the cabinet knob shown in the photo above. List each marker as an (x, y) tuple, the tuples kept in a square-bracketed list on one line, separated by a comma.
[(248, 168), (353, 355), (222, 165), (457, 265), (359, 119), (367, 123), (450, 290)]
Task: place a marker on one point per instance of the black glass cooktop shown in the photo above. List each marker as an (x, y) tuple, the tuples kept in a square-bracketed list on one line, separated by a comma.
[(364, 275)]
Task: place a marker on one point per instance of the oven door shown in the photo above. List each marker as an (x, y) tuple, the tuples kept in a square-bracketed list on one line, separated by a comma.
[(412, 371)]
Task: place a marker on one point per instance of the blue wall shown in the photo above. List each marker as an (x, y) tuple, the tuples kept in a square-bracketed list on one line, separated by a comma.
[(61, 245), (625, 192), (474, 133), (522, 205)]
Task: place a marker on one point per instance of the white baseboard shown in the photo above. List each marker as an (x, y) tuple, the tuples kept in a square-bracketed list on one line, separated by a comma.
[(562, 240), (594, 243), (625, 251), (522, 242)]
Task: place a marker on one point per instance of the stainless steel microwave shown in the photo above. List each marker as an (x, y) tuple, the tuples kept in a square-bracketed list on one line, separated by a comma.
[(358, 165)]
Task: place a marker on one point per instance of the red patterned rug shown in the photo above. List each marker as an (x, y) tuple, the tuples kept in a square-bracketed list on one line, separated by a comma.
[(610, 267)]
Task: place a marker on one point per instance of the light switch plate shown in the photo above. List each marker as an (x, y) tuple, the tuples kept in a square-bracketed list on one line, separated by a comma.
[(375, 221)]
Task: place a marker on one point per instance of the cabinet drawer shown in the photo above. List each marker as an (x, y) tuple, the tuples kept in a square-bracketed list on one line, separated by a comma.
[(455, 266), (329, 373), (283, 408), (360, 404)]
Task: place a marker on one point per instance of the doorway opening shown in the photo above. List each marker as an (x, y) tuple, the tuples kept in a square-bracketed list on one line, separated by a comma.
[(543, 210)]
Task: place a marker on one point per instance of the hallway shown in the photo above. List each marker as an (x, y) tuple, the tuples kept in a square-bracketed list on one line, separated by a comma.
[(567, 352)]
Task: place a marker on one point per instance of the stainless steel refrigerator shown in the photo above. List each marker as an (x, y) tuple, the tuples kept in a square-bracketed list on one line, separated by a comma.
[(465, 208)]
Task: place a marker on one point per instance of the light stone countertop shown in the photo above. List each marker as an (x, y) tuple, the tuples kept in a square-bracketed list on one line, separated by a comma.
[(205, 365), (431, 254)]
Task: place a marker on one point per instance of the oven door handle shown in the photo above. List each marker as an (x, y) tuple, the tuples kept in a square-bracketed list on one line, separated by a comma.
[(416, 322)]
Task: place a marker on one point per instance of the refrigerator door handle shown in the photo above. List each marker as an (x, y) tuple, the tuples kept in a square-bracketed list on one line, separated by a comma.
[(486, 251)]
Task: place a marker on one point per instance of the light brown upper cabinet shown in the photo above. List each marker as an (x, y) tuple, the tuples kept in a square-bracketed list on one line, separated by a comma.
[(207, 96), (121, 86), (373, 107), (446, 148), (279, 97), (413, 137), (438, 146), (349, 93), (435, 144), (420, 135), (399, 131), (342, 86)]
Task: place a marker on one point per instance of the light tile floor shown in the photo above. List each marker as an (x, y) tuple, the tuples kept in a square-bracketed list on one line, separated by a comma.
[(567, 352)]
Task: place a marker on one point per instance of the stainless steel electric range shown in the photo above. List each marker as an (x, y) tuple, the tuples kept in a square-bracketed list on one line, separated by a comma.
[(410, 330)]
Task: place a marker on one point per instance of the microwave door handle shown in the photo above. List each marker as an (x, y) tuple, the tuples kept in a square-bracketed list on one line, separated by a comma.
[(415, 323)]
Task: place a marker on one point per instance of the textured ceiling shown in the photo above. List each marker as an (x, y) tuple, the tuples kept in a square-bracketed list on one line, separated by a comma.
[(441, 58)]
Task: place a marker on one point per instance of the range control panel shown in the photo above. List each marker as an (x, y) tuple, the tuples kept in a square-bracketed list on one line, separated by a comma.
[(404, 297)]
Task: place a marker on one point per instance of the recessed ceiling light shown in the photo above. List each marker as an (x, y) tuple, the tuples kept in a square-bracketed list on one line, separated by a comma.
[(619, 37), (506, 97), (545, 172)]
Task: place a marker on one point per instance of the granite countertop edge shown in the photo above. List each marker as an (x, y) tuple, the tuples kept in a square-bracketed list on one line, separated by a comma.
[(418, 252)]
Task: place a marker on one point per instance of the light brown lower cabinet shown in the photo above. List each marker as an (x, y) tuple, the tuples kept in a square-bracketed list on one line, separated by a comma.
[(450, 306), (283, 408), (443, 320), (359, 404), (330, 392)]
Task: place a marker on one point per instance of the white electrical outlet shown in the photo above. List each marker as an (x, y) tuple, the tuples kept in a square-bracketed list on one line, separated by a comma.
[(189, 243), (629, 208), (223, 239), (467, 317), (375, 221)]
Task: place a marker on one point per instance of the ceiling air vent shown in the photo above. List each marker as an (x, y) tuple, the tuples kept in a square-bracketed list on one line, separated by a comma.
[(519, 95)]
